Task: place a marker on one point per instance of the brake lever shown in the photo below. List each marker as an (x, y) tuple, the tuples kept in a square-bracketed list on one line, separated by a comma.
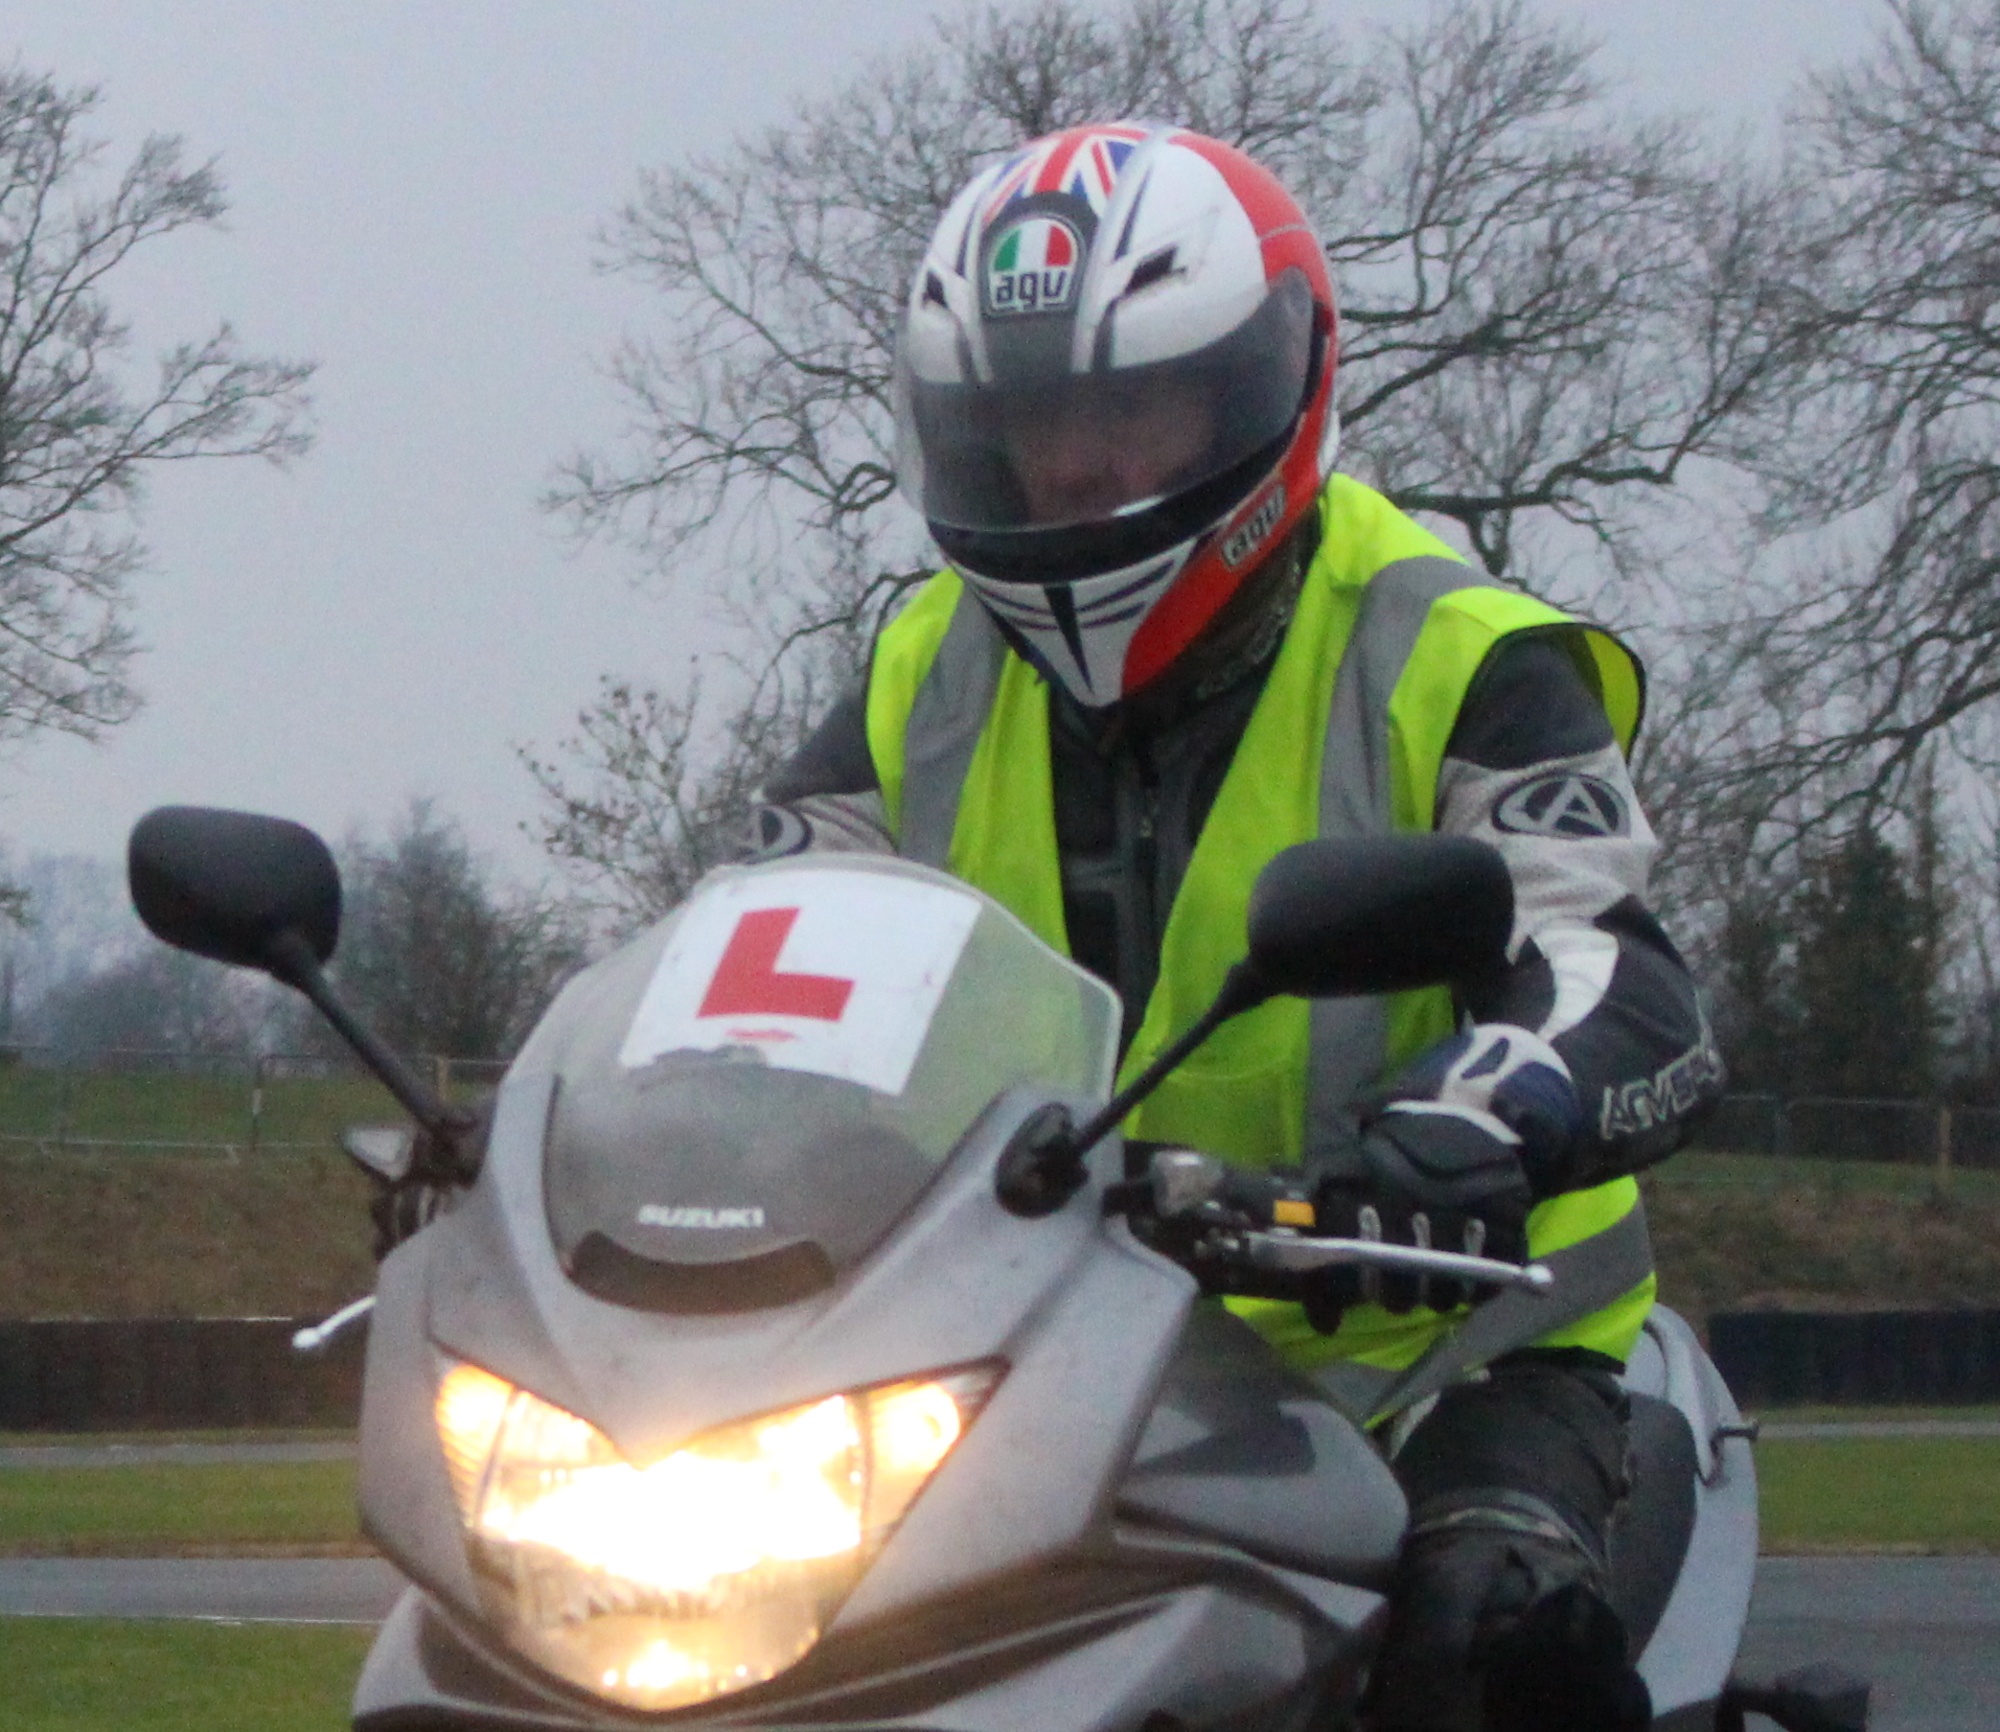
[(1296, 1254), (1198, 1191)]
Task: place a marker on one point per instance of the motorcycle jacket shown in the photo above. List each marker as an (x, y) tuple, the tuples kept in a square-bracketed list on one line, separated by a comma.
[(1401, 692)]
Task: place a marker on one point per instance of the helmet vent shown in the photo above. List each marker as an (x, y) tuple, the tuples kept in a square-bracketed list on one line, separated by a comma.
[(1149, 271)]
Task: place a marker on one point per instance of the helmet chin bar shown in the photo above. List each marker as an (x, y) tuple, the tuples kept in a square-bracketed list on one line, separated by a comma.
[(1077, 635), (1077, 631), (1243, 633)]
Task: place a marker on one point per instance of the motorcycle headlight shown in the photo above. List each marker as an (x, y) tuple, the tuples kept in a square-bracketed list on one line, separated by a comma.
[(711, 1569)]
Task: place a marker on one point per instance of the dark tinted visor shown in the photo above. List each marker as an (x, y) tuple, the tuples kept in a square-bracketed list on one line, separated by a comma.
[(1054, 451)]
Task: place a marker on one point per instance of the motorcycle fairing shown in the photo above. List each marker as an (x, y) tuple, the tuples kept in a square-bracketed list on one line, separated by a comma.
[(1087, 1320), (1241, 1450), (1032, 1607), (1059, 1562), (961, 1281), (424, 1675), (752, 1129), (1687, 1658), (1017, 1659)]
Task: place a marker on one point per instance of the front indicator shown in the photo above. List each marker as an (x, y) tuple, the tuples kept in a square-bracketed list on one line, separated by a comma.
[(706, 1571)]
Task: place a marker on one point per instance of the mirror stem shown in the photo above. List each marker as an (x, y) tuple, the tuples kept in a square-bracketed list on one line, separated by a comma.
[(1242, 989), (291, 959)]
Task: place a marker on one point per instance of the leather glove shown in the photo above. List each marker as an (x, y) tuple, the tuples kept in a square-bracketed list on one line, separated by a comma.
[(1446, 1159), (436, 1173)]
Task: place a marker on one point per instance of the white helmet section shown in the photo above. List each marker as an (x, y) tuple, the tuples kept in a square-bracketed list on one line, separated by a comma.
[(1081, 630), (1178, 229)]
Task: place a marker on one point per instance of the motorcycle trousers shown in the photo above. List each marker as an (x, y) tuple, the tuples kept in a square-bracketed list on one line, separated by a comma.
[(1500, 1617)]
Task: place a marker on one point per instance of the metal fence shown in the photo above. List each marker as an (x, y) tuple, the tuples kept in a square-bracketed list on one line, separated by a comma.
[(1828, 1128), (231, 1103)]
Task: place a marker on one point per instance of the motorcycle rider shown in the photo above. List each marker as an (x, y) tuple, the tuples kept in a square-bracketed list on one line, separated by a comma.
[(1171, 641)]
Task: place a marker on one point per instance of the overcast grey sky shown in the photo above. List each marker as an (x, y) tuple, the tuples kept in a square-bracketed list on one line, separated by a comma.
[(414, 186)]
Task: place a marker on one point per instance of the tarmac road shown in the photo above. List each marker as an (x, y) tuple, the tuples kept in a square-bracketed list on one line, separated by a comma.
[(248, 1590), (1927, 1630)]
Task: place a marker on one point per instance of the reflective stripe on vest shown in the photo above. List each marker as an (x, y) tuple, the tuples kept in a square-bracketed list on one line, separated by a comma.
[(1350, 1043), (959, 730), (946, 719)]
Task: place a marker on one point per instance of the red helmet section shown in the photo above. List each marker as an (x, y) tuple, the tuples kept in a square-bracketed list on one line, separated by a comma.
[(1261, 523)]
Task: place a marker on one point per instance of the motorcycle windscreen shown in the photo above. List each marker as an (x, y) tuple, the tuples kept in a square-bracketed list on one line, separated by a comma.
[(743, 1122)]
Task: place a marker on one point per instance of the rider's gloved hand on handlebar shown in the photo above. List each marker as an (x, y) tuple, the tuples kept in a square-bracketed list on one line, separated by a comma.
[(1452, 1156), (438, 1171)]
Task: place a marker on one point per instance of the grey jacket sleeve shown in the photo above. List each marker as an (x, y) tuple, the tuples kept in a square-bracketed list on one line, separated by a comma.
[(825, 798), (1533, 769)]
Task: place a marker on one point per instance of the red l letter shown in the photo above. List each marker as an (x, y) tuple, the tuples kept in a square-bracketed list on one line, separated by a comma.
[(747, 981)]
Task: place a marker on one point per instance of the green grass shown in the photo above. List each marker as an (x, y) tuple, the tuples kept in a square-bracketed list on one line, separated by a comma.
[(236, 1434), (1845, 1237), (111, 1233), (53, 1108), (1854, 1415), (1931, 1494), (153, 1509), (1699, 1167), (138, 1196), (92, 1675)]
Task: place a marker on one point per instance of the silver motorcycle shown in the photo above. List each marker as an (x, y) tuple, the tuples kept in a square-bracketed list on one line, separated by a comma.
[(799, 1344)]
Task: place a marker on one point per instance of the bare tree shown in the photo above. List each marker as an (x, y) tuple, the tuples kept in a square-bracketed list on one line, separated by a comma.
[(1552, 309), (77, 432), (1544, 302), (1876, 635), (438, 955), (763, 415), (157, 999), (640, 810), (762, 422)]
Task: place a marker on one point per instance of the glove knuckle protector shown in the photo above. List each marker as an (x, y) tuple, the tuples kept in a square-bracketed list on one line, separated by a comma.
[(1508, 1074)]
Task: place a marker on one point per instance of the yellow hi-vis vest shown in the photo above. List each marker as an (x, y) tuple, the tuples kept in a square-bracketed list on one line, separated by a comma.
[(1346, 739)]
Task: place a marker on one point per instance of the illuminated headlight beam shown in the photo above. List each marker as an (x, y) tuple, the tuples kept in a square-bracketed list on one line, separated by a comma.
[(710, 1569)]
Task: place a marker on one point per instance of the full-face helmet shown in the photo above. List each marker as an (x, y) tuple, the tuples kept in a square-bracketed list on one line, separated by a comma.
[(1114, 392)]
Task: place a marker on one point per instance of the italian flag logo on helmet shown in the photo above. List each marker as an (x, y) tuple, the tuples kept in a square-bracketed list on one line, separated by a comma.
[(1033, 266)]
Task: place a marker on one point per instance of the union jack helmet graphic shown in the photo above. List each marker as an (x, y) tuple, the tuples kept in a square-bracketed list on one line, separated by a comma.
[(1114, 392)]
